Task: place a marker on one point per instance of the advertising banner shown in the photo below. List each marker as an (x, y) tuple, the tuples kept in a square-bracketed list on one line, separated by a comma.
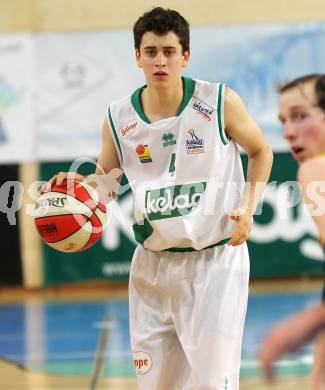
[(79, 74), (283, 242), (17, 137)]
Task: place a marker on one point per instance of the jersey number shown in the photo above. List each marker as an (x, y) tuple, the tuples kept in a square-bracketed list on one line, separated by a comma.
[(172, 164)]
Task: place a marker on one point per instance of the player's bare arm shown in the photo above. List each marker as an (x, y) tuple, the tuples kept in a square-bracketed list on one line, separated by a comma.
[(311, 176), (108, 173), (241, 127), (289, 335), (108, 158)]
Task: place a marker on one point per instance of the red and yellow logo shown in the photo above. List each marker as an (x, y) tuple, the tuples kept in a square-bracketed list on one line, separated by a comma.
[(142, 362), (143, 153)]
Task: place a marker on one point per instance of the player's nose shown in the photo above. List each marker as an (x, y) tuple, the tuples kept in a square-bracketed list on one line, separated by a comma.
[(289, 131), (161, 59)]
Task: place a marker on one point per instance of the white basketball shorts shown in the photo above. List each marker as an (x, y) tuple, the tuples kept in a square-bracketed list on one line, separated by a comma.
[(187, 313)]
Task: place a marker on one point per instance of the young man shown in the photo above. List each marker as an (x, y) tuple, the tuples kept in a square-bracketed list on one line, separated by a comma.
[(176, 141), (302, 113)]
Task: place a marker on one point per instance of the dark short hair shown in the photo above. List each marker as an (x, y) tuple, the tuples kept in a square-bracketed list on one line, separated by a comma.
[(319, 85), (161, 21)]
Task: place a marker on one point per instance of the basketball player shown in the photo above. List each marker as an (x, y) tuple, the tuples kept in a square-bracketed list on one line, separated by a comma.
[(176, 140), (302, 113)]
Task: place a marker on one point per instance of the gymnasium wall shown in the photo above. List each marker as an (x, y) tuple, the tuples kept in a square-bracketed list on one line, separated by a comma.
[(81, 15)]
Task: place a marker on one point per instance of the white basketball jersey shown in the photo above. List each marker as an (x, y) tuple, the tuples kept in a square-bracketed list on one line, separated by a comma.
[(185, 174)]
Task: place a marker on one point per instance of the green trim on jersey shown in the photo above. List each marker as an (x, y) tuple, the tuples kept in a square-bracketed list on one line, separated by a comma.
[(188, 91), (222, 242), (114, 136), (136, 103), (142, 231), (222, 133)]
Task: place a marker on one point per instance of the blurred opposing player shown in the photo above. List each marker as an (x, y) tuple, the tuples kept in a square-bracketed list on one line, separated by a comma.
[(302, 113), (176, 140)]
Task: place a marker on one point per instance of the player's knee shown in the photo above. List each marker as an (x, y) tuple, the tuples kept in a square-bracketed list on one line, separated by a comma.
[(318, 377)]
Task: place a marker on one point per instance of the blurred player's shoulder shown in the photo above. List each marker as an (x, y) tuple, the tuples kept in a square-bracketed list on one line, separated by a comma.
[(312, 169)]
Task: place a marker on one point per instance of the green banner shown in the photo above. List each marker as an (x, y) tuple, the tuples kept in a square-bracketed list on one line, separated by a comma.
[(283, 241)]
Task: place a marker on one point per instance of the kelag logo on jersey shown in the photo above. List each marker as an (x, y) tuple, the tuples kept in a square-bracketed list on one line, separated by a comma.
[(203, 111), (174, 201), (194, 145)]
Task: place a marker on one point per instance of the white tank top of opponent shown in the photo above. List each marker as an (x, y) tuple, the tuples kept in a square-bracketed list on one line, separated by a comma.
[(186, 175)]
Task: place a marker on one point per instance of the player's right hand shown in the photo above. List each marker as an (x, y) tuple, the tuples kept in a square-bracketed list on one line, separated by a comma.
[(242, 228), (58, 180)]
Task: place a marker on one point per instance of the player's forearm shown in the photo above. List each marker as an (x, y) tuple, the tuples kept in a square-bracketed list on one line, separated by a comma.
[(313, 320), (258, 173)]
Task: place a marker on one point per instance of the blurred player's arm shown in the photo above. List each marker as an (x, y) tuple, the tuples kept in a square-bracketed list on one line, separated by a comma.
[(290, 335), (108, 158), (108, 172), (241, 127), (311, 176)]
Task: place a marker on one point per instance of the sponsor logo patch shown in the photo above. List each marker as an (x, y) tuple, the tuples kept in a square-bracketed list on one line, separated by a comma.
[(128, 129), (173, 201), (194, 145), (143, 153), (142, 362), (203, 110), (168, 139)]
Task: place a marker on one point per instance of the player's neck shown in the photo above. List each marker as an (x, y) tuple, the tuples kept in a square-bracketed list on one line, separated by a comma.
[(163, 102)]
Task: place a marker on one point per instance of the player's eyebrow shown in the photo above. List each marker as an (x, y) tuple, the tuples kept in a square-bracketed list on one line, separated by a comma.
[(297, 107), (155, 47)]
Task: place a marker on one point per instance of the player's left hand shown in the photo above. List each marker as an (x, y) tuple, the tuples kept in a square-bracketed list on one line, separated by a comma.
[(243, 226)]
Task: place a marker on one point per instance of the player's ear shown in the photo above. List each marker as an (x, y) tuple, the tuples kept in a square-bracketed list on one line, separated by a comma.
[(186, 58), (137, 58)]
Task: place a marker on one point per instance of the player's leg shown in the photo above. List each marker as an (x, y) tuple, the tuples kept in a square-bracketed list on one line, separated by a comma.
[(158, 355), (318, 373), (210, 321)]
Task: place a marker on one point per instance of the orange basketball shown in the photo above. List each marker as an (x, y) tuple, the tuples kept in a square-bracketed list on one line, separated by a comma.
[(70, 218), (140, 149)]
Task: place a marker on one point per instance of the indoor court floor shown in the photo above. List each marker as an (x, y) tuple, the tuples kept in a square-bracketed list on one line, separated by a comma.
[(78, 337)]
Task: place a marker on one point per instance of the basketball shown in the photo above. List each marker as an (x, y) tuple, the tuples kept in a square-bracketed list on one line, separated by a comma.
[(70, 218), (140, 149)]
